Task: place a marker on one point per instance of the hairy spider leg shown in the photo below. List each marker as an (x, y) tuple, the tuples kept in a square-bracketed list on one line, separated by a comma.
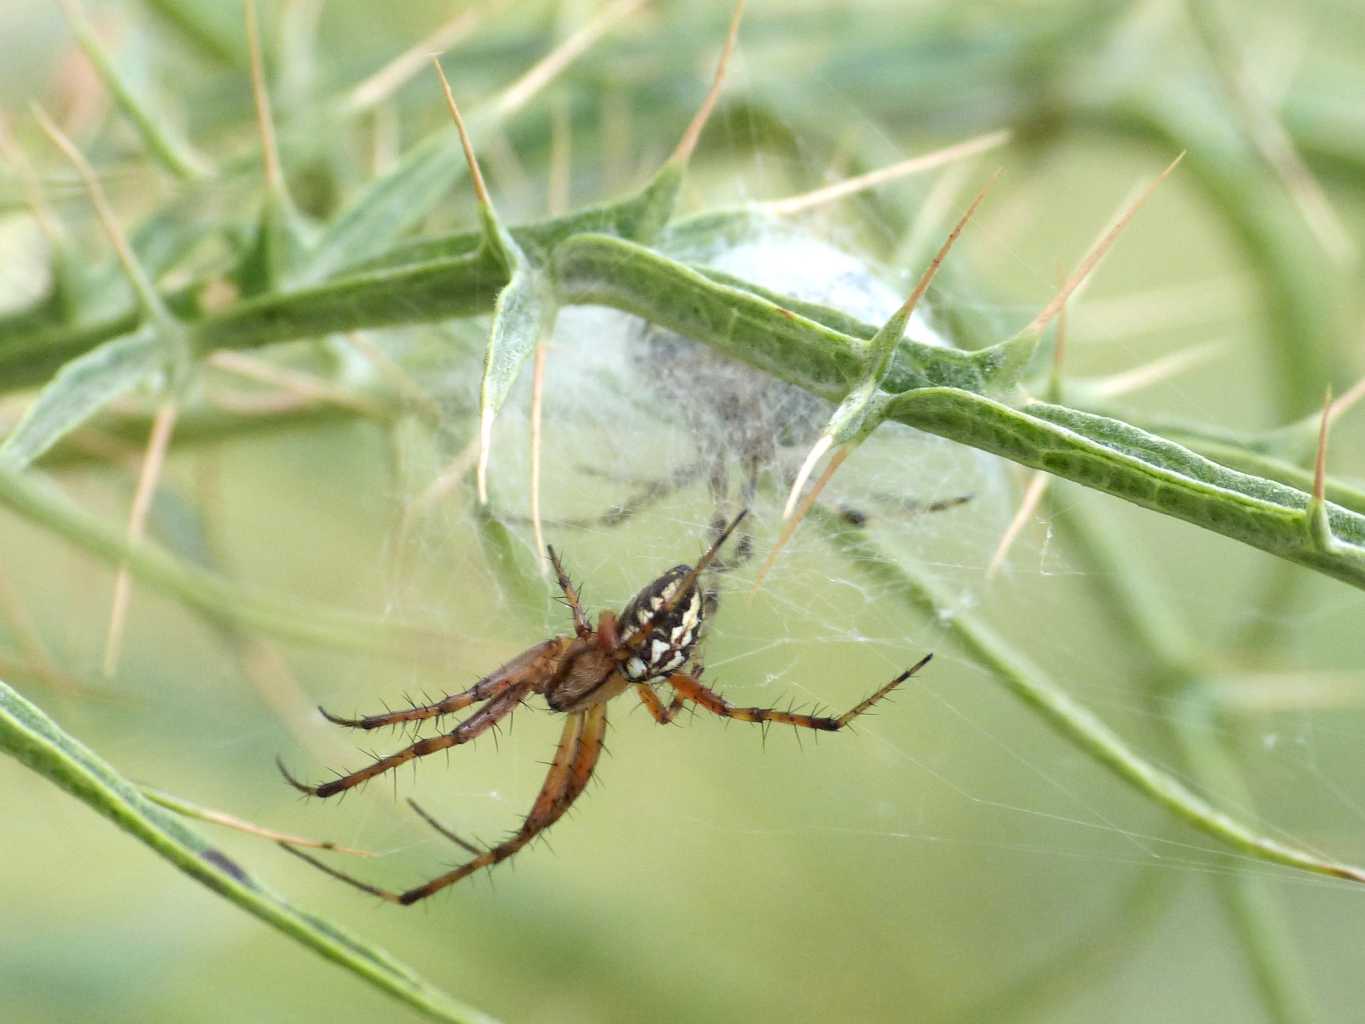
[(660, 713), (744, 548), (652, 491), (475, 725), (575, 759), (688, 688), (580, 621), (649, 492), (904, 506), (719, 486), (462, 843), (580, 745), (490, 686), (487, 687), (914, 507)]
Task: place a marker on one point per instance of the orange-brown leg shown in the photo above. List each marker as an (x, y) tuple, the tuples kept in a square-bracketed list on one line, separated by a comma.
[(475, 725), (688, 688), (504, 678), (661, 713), (580, 745), (580, 621)]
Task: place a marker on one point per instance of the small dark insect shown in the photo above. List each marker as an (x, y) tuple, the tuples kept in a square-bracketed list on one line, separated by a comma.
[(649, 643)]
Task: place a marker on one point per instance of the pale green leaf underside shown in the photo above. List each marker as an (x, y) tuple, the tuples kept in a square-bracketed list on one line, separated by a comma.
[(80, 389), (523, 315), (35, 740)]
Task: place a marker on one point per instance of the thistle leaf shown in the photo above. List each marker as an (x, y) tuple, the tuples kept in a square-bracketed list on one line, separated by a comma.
[(524, 314), (80, 389)]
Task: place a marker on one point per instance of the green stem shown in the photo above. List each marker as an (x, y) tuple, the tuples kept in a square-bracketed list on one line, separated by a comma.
[(216, 598), (1100, 949), (1127, 587), (1101, 453), (36, 741), (1255, 914), (1116, 458), (1071, 720)]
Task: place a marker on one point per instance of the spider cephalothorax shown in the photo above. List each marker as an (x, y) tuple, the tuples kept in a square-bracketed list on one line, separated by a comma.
[(653, 640), (653, 636)]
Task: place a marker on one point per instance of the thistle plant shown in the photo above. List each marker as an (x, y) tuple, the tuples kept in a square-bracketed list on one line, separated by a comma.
[(327, 264)]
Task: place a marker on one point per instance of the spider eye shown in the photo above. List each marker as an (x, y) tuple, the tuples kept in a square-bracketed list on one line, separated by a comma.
[(672, 625)]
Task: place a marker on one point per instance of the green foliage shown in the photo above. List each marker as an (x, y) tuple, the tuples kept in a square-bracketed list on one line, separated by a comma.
[(385, 258), (29, 735)]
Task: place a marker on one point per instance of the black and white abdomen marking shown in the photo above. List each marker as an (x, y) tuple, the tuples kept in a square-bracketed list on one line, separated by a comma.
[(672, 632)]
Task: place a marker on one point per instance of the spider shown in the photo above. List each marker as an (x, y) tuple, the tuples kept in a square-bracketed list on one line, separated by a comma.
[(650, 642)]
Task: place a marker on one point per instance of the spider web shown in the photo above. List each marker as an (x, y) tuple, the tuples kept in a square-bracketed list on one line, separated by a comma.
[(953, 776), (953, 843), (620, 421)]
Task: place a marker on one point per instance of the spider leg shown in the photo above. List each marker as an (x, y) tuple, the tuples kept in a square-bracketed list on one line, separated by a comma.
[(744, 550), (580, 621), (515, 671), (656, 707), (682, 476), (476, 724), (580, 745), (914, 507), (463, 844), (341, 876), (904, 506), (687, 688), (649, 492), (744, 547)]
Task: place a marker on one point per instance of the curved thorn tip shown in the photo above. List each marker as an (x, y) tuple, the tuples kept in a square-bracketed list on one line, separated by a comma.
[(480, 191), (693, 133), (274, 177), (927, 277), (1100, 249), (1320, 458), (798, 485)]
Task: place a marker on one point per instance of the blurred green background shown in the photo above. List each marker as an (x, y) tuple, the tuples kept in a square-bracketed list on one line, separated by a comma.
[(954, 860)]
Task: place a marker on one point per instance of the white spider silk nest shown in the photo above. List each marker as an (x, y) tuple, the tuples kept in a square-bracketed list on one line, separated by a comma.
[(630, 406)]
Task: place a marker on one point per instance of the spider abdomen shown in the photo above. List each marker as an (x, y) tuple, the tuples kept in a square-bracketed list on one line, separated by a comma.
[(672, 622)]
